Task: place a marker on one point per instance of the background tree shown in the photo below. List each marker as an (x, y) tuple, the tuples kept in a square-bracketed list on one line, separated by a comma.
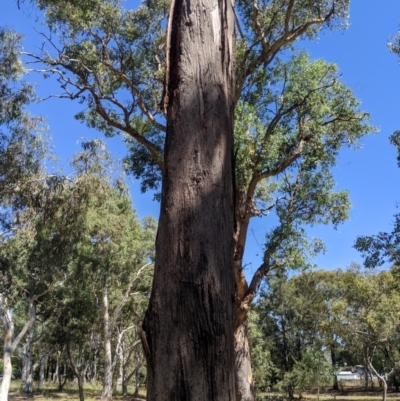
[(109, 261), (73, 251), (263, 368), (293, 313), (22, 144), (21, 155), (368, 312), (349, 316), (314, 370)]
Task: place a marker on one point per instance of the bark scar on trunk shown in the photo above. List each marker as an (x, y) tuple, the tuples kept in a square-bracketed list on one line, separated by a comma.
[(172, 52)]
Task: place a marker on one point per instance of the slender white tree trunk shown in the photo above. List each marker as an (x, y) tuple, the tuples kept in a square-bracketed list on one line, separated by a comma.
[(27, 363), (7, 367), (41, 370), (108, 368), (57, 368), (121, 373)]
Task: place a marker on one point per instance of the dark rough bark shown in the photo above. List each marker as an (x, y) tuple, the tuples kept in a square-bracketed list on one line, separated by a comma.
[(333, 360), (80, 388), (188, 328), (62, 379), (395, 383), (366, 370)]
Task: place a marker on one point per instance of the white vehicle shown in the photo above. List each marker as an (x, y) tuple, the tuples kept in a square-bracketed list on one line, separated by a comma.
[(348, 376)]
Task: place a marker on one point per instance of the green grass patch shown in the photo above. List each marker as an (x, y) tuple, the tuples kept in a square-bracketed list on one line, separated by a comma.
[(49, 392)]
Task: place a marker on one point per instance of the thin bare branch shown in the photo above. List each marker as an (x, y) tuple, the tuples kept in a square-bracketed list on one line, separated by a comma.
[(27, 326), (123, 300)]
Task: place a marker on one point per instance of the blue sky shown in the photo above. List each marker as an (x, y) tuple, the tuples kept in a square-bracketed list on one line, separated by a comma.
[(370, 174)]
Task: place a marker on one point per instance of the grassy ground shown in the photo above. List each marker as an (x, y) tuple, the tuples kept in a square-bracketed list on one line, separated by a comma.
[(351, 394), (70, 393), (92, 393)]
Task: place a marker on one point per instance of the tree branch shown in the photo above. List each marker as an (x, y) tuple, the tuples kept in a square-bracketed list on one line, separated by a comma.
[(27, 326), (122, 302), (261, 272), (269, 51), (68, 64)]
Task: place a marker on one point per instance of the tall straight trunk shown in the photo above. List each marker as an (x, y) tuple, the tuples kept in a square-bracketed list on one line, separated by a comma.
[(85, 367), (136, 372), (62, 379), (42, 366), (396, 383), (333, 360), (137, 380), (80, 388), (49, 371), (27, 380), (106, 393), (121, 370), (124, 389), (290, 387), (27, 363), (93, 369), (57, 368), (188, 328), (367, 373), (244, 376)]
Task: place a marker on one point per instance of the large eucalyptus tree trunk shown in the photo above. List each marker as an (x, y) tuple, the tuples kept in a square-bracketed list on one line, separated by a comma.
[(188, 328)]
